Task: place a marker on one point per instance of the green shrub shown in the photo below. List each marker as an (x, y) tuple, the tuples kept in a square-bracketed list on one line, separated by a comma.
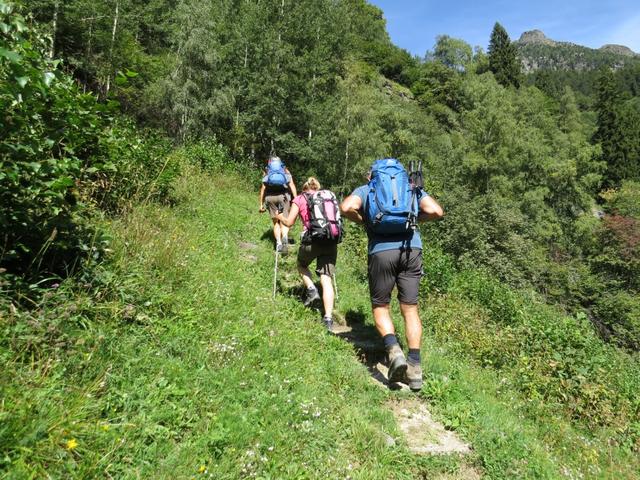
[(63, 155), (438, 269), (620, 313), (496, 297), (559, 361), (625, 201), (130, 165), (48, 129), (209, 155)]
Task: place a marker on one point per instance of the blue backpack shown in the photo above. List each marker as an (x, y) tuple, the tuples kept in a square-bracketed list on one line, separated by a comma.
[(391, 208), (276, 174)]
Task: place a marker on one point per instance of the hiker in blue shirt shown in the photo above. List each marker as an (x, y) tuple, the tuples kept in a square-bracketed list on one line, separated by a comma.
[(394, 257), (276, 193)]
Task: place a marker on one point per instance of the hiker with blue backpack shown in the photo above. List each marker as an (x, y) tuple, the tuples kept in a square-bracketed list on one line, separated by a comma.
[(276, 193), (322, 231), (390, 206)]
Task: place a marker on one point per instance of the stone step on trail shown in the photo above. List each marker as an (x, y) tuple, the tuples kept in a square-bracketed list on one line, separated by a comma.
[(424, 435)]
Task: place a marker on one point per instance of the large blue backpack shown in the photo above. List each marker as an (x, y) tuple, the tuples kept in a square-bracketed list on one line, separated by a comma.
[(276, 174), (391, 207)]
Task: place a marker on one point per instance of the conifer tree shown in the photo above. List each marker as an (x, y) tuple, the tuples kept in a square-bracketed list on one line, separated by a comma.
[(503, 58), (617, 131)]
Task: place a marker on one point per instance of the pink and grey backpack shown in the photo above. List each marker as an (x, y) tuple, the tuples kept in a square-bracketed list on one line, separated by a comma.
[(324, 217)]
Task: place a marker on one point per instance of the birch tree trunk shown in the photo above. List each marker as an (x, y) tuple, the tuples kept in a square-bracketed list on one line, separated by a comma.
[(113, 41), (56, 6), (346, 152)]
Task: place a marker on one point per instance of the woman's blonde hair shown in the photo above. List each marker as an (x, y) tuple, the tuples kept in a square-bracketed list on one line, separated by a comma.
[(312, 183)]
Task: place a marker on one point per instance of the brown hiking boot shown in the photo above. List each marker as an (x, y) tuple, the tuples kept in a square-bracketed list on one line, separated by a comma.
[(413, 376), (397, 364)]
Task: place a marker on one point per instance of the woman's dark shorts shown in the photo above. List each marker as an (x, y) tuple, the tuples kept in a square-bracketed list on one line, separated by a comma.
[(325, 255), (278, 202), (401, 268)]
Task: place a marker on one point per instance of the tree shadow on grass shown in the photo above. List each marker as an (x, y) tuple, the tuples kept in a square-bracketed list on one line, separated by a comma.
[(268, 235)]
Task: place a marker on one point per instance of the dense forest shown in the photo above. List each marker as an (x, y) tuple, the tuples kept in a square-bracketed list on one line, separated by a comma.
[(539, 173), (539, 189)]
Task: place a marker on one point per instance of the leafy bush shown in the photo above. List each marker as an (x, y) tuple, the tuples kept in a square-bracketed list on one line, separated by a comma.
[(438, 270), (63, 156), (502, 303), (48, 129), (207, 154), (558, 361), (620, 312), (624, 201), (130, 166)]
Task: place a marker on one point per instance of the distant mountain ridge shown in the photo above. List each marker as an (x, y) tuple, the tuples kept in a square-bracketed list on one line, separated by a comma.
[(537, 51)]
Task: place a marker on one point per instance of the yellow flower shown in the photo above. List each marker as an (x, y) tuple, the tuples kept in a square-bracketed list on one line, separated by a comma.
[(105, 427), (202, 469), (71, 444)]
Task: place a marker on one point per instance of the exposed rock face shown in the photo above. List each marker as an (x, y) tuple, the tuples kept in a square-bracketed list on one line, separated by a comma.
[(535, 36), (539, 52), (618, 49)]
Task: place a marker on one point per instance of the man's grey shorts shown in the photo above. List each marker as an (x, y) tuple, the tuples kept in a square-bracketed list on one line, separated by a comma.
[(278, 202), (401, 268)]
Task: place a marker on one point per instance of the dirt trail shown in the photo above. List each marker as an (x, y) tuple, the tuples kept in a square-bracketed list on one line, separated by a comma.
[(424, 435)]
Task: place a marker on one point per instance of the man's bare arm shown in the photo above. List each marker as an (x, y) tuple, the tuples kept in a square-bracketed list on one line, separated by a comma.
[(429, 209), (292, 187), (350, 208), (261, 198)]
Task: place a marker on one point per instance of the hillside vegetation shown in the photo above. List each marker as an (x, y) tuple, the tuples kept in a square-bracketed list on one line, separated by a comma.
[(136, 321), (176, 362)]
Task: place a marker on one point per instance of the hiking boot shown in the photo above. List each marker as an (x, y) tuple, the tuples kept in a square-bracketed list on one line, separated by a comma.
[(413, 376), (397, 364), (278, 247), (328, 323), (312, 296), (284, 247)]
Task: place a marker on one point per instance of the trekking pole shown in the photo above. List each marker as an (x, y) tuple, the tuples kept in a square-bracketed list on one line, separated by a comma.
[(335, 285), (275, 275), (275, 268)]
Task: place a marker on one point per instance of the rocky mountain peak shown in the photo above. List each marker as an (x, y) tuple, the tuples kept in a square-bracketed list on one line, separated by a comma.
[(535, 36), (618, 49)]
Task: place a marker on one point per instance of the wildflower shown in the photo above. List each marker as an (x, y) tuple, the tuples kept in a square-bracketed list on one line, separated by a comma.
[(71, 444), (202, 469)]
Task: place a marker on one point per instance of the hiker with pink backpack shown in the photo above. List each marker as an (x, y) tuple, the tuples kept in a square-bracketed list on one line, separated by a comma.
[(322, 231)]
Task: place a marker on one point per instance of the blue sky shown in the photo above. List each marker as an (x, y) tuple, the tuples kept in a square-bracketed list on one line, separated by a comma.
[(413, 25)]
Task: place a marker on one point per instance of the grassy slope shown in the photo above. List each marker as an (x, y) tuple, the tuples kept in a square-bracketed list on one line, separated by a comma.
[(189, 369)]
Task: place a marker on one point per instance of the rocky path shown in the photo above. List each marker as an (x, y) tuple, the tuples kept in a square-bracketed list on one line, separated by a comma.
[(423, 434)]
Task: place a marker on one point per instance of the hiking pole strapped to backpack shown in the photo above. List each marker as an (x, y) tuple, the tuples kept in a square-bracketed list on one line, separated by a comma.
[(417, 185)]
